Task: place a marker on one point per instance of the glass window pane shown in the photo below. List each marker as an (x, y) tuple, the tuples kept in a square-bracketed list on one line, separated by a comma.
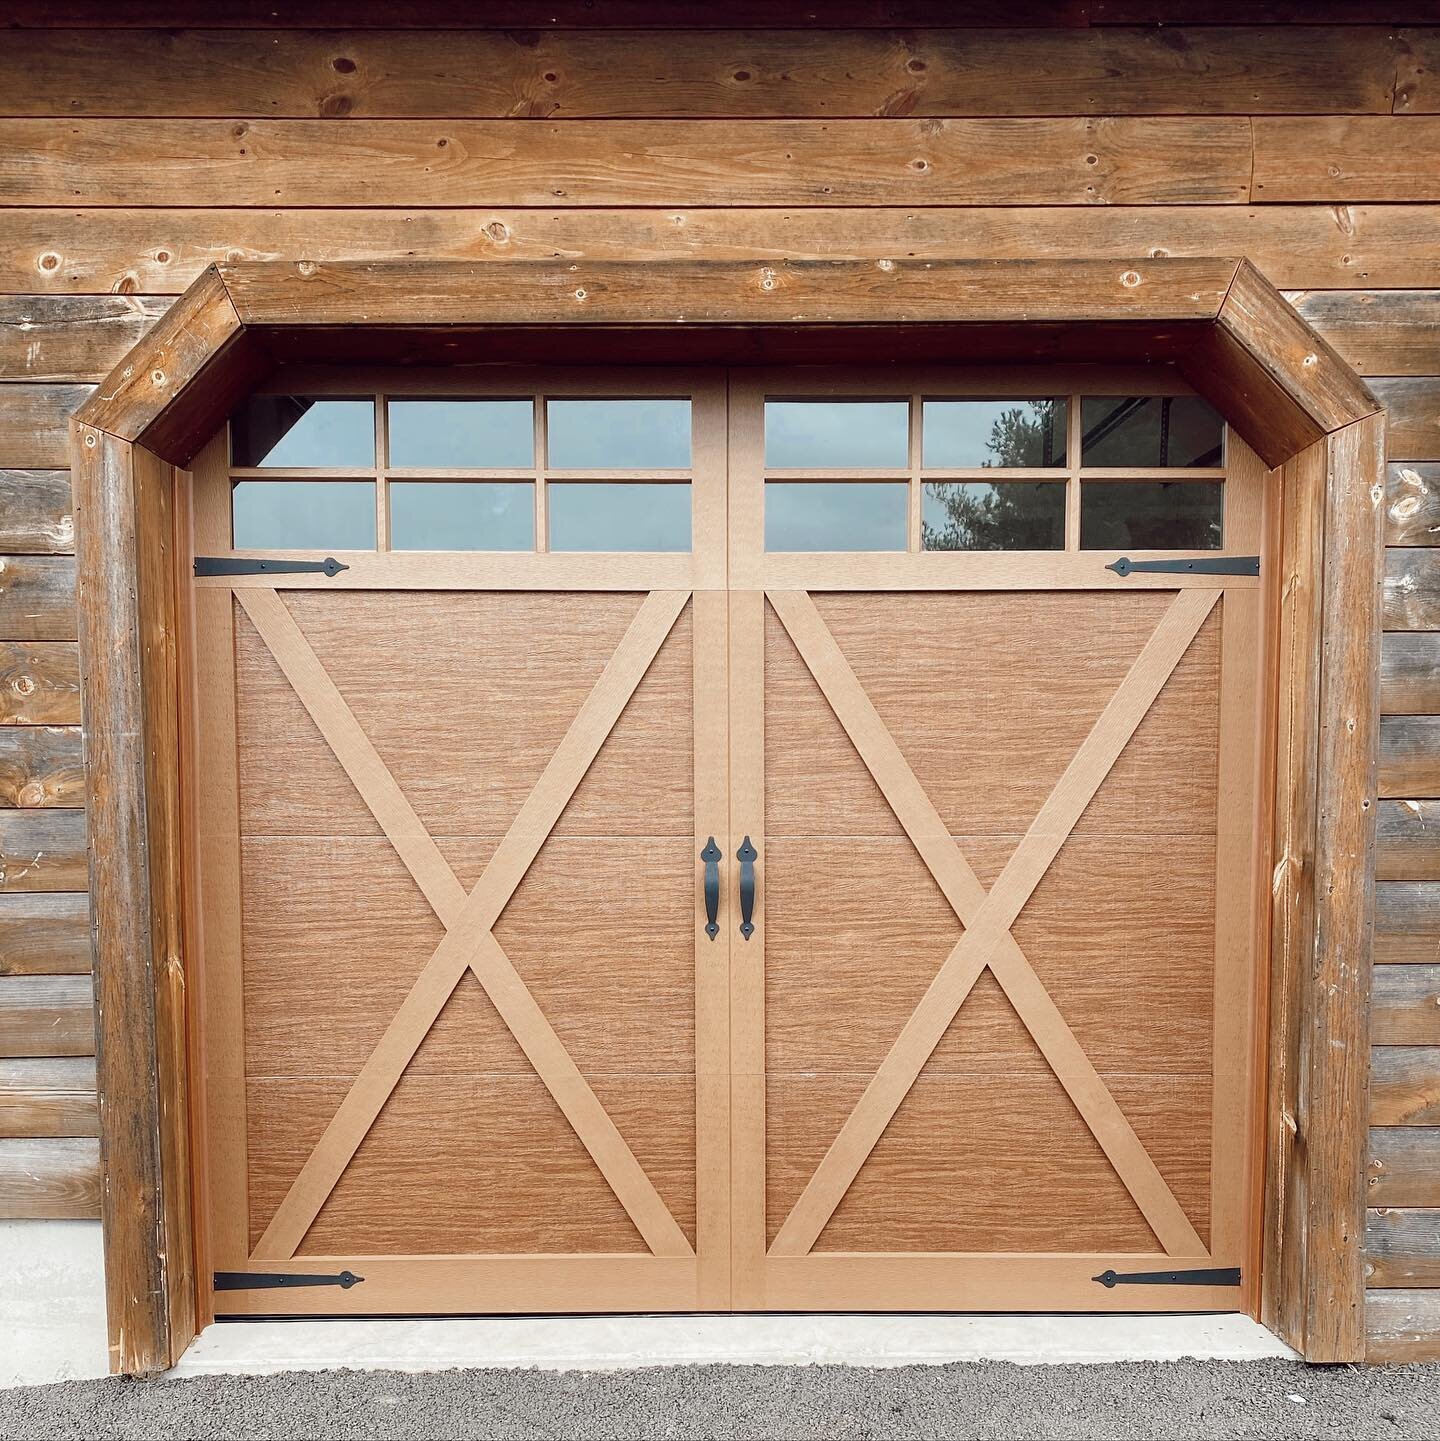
[(814, 434), (297, 430), (974, 515), (836, 515), (462, 515), (1146, 430), (486, 434), (962, 434), (303, 514), (1151, 514), (596, 515), (619, 435)]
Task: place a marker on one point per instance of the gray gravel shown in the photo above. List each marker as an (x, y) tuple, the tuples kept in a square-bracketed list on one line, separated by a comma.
[(1190, 1399)]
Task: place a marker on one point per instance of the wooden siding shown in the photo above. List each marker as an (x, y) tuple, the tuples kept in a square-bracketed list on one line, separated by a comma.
[(134, 157)]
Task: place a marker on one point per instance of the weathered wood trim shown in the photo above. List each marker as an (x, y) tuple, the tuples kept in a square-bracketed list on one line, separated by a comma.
[(126, 606), (1314, 1285), (1285, 391)]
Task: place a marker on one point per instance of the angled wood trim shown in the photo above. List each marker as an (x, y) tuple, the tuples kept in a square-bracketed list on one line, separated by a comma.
[(216, 344)]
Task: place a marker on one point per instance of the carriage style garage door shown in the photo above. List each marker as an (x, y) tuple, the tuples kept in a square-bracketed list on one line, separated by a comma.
[(678, 841)]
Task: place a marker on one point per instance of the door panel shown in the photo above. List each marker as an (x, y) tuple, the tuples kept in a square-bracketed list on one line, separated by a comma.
[(466, 1051), (997, 1014)]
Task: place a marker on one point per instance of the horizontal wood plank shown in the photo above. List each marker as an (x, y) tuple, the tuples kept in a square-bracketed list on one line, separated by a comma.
[(70, 337), (1401, 1325), (1345, 158), (1407, 841), (1379, 332), (1405, 1086), (1412, 416), (42, 851), (45, 935), (41, 766), (39, 682), (160, 251), (35, 424), (1412, 504), (1406, 1006), (36, 514), (709, 73), (1410, 756), (49, 1097), (1412, 590), (47, 1016), (37, 597), (50, 1179), (1407, 923), (1064, 160), (1402, 1247), (1404, 1166)]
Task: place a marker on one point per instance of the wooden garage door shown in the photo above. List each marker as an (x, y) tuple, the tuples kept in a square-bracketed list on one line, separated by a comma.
[(456, 1040), (765, 841), (992, 1033)]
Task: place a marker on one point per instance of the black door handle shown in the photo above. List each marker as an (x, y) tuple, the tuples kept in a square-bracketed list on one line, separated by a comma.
[(747, 856), (711, 856)]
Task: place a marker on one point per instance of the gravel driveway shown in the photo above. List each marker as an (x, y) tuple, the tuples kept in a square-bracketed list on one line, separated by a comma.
[(1199, 1399)]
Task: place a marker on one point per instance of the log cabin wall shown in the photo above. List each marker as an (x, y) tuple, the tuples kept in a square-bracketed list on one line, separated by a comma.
[(130, 158)]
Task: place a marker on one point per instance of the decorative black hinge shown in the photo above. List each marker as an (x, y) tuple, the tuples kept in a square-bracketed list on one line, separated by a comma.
[(1219, 1276), (1207, 565), (280, 1280), (239, 565)]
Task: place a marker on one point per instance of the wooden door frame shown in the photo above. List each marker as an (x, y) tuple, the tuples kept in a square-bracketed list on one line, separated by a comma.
[(1227, 330)]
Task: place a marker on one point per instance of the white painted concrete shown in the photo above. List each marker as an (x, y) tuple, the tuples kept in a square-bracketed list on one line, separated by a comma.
[(52, 1302), (610, 1343)]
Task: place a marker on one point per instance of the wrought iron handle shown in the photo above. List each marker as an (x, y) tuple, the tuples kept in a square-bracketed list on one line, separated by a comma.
[(747, 856), (711, 856)]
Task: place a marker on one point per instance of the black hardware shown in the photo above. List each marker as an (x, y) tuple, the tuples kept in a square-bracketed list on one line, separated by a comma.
[(711, 856), (237, 565), (747, 855), (1220, 1276), (1209, 565), (279, 1280)]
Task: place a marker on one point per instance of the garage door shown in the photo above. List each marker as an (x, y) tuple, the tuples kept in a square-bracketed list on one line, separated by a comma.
[(685, 841)]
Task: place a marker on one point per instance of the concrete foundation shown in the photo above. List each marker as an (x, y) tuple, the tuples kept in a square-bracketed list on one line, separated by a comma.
[(52, 1302)]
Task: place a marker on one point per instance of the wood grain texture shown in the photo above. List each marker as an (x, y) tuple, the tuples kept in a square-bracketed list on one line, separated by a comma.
[(1412, 504), (1412, 589), (45, 935), (34, 424), (1408, 841), (1407, 923), (723, 73), (70, 337), (1401, 1325), (1412, 414), (35, 512), (1404, 1086), (1379, 332), (50, 1179), (42, 850), (1344, 158), (1410, 756), (622, 293), (37, 597), (1404, 1166), (39, 683), (128, 637), (51, 1097), (160, 251), (1062, 160), (46, 1016), (1406, 1006), (41, 766), (1402, 1247)]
